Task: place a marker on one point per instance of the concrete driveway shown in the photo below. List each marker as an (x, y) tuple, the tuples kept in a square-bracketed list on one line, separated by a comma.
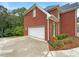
[(22, 47), (29, 47)]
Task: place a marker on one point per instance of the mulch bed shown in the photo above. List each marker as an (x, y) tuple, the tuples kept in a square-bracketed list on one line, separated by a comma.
[(74, 44)]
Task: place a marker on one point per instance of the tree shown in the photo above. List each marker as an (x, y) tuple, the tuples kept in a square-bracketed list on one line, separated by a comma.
[(19, 13), (11, 22), (3, 18)]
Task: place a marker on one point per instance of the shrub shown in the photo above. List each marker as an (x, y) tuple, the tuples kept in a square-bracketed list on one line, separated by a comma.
[(57, 44), (53, 44), (64, 35), (18, 31), (53, 39), (7, 32), (1, 34), (68, 40), (61, 36)]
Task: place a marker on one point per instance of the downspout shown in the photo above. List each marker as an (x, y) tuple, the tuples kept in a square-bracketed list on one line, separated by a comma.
[(48, 16), (76, 22), (48, 28)]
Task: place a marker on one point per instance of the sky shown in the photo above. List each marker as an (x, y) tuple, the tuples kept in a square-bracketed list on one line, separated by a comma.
[(15, 5)]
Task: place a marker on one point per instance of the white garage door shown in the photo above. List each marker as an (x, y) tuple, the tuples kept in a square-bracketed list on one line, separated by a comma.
[(38, 32)]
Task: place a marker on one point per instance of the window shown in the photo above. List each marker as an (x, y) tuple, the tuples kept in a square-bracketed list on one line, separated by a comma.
[(77, 12), (34, 13)]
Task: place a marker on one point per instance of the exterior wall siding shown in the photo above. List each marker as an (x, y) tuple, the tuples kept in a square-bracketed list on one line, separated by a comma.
[(67, 23), (39, 20), (50, 30), (57, 28), (54, 12)]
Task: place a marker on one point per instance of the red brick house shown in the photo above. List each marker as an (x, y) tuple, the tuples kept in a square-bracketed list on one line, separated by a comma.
[(51, 21)]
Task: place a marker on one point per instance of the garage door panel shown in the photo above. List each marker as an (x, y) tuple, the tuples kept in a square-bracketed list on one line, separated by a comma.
[(37, 32)]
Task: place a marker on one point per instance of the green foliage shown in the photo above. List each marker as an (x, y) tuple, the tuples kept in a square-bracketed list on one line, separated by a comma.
[(59, 37), (7, 33), (62, 36), (68, 40), (53, 44), (57, 44), (18, 30), (11, 22)]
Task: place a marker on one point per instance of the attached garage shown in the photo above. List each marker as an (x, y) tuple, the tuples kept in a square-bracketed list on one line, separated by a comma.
[(36, 23), (38, 32)]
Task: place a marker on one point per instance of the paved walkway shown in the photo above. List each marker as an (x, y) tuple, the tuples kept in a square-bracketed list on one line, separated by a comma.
[(65, 53), (29, 47)]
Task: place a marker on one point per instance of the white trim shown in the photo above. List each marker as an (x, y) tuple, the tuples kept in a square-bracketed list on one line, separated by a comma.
[(68, 10), (75, 22), (47, 14), (35, 5), (34, 13), (54, 18), (77, 12), (48, 28)]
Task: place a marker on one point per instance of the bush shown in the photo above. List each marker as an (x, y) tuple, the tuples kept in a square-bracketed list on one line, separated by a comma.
[(53, 44), (18, 31), (62, 36), (1, 34), (68, 40), (59, 37), (57, 44), (7, 33)]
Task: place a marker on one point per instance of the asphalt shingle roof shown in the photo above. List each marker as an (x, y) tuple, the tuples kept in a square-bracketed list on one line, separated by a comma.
[(69, 6), (64, 7)]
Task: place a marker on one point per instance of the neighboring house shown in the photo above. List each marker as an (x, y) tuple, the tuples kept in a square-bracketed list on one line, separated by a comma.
[(51, 21)]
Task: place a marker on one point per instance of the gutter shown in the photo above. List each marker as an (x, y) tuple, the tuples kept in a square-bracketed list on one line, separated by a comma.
[(64, 11)]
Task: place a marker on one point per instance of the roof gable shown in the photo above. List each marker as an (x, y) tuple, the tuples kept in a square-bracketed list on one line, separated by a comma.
[(35, 5), (47, 14)]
